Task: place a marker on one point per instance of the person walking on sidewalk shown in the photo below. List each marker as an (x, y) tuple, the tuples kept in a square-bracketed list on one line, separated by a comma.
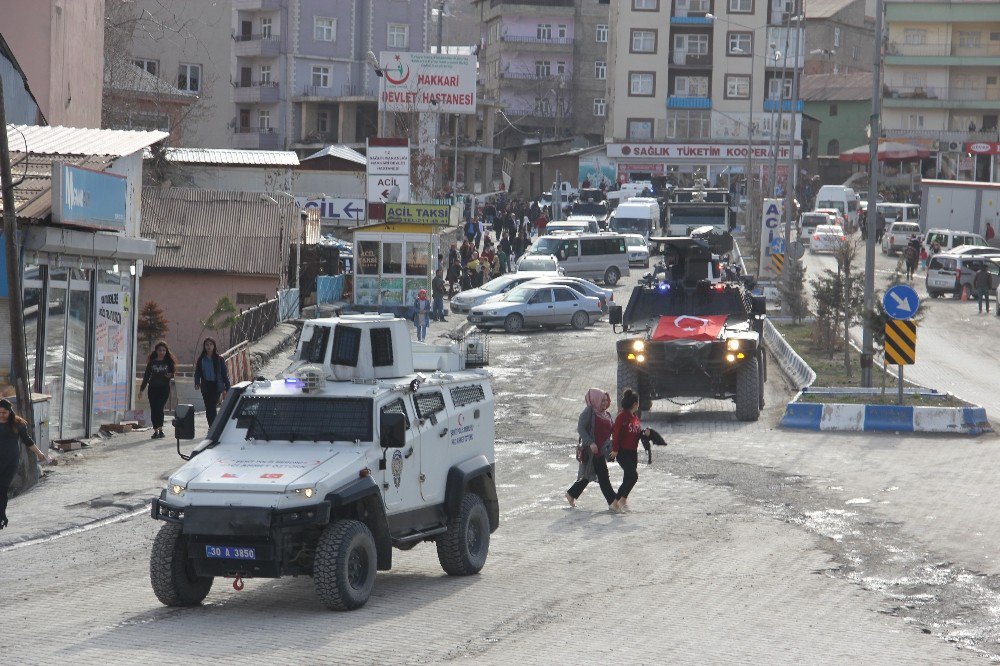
[(594, 428), (625, 447), (13, 434), (160, 367), (437, 291), (981, 284), (421, 312), (211, 377)]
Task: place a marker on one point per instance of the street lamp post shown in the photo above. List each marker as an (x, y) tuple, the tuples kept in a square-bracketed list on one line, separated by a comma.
[(790, 181), (380, 73)]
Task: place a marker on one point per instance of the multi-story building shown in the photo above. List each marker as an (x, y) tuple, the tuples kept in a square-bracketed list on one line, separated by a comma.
[(689, 78), (942, 84), (840, 35), (545, 61)]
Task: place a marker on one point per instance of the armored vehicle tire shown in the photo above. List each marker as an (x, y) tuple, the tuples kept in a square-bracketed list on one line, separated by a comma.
[(344, 568), (170, 572), (462, 550), (611, 276), (580, 320), (628, 377), (748, 391), (513, 323)]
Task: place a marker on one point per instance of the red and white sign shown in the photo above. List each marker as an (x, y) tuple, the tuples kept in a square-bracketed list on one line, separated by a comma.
[(983, 148), (689, 327), (425, 82), (388, 169), (696, 151), (656, 168)]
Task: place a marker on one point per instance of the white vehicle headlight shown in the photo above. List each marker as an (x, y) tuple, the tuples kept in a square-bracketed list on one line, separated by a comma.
[(307, 492), (176, 488), (733, 344), (639, 345), (492, 313)]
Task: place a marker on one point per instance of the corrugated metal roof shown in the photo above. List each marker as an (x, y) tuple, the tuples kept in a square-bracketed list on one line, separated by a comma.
[(79, 141), (856, 86), (215, 231), (826, 8), (230, 156), (341, 152), (33, 177)]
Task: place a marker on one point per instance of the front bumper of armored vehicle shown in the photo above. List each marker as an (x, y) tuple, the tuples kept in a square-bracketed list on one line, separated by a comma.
[(687, 368)]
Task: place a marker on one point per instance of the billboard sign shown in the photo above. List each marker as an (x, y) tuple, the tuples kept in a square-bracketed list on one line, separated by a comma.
[(388, 172), (396, 213), (700, 151), (87, 198), (334, 208), (771, 237), (433, 82)]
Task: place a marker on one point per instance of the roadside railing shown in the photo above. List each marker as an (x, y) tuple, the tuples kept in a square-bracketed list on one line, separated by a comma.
[(253, 324)]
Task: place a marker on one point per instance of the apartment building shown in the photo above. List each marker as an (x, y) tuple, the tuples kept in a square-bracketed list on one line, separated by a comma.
[(840, 35), (545, 61), (942, 84), (696, 82)]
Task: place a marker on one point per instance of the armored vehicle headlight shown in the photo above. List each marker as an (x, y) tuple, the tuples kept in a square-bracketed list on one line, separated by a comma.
[(176, 489), (733, 344), (641, 358), (307, 492), (639, 346), (730, 357)]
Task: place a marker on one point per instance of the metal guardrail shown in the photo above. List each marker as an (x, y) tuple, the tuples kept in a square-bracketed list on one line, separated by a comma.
[(253, 324)]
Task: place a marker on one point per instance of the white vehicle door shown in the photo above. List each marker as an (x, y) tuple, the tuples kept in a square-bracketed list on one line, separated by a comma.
[(569, 255), (566, 304), (435, 428), (540, 309), (401, 476)]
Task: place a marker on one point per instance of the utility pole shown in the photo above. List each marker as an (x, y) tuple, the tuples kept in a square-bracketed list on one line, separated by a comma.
[(871, 218), (18, 351), (790, 180), (776, 128)]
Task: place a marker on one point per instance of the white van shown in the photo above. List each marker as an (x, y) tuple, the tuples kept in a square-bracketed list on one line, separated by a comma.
[(844, 199), (590, 220), (635, 217), (592, 256), (899, 212), (949, 239)]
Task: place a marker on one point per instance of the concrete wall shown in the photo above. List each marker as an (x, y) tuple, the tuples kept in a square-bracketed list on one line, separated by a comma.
[(189, 297), (857, 36), (847, 127), (59, 46)]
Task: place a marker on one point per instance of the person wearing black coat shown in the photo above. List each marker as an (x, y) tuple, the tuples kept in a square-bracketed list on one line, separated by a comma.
[(13, 434), (160, 367), (211, 377)]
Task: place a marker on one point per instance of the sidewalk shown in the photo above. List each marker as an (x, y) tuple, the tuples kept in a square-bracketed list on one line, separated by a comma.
[(113, 476)]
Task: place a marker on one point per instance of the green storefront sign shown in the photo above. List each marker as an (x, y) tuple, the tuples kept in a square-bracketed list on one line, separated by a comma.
[(410, 213)]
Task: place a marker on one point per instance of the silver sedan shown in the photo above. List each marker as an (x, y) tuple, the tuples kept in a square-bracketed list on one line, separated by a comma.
[(544, 305)]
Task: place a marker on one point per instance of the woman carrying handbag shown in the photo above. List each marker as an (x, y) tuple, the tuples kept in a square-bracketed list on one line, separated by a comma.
[(594, 427)]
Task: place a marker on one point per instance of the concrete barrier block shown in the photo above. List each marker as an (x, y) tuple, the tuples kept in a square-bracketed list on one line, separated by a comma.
[(802, 415), (843, 417), (889, 418), (974, 420)]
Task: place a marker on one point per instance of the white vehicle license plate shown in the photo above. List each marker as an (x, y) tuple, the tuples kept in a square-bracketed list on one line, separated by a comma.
[(231, 552), (475, 318)]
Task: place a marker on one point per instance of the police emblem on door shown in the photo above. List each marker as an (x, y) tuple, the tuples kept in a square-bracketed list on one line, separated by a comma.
[(397, 467)]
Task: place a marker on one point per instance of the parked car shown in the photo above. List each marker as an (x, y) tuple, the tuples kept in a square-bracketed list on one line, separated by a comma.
[(826, 238), (638, 249), (951, 273), (970, 250), (464, 301), (836, 217), (593, 224), (593, 256), (604, 296), (897, 236), (567, 227), (541, 305), (949, 239), (538, 263)]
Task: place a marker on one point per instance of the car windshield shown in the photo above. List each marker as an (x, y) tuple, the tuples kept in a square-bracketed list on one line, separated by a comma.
[(813, 220), (301, 418), (632, 224), (831, 204), (597, 209), (634, 241), (653, 303), (546, 246), (496, 284), (536, 264), (519, 295), (829, 229)]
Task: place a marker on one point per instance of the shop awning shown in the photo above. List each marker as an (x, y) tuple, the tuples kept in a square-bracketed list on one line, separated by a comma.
[(887, 151), (76, 243)]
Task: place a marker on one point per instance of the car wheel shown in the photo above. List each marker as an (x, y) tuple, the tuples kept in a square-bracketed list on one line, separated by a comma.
[(513, 323), (580, 320), (171, 572), (344, 565), (628, 378), (934, 294), (462, 550), (611, 276)]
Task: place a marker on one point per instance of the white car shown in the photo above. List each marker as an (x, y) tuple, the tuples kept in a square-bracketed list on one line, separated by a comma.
[(462, 302), (537, 305), (826, 238), (585, 287), (538, 263), (638, 250)]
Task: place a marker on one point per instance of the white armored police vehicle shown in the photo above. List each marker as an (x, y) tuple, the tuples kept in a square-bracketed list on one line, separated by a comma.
[(369, 442)]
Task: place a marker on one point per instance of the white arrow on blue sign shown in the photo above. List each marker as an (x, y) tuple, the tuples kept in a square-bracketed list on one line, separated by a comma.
[(778, 246), (901, 302)]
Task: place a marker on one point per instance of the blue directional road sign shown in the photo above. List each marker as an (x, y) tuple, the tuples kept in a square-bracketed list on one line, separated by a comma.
[(778, 246), (901, 302)]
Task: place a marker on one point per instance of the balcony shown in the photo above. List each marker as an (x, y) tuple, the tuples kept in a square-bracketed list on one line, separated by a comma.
[(257, 92), (256, 5), (936, 97), (684, 102), (942, 53), (771, 104), (691, 13), (533, 42), (256, 46), (682, 58), (541, 4), (949, 136), (250, 138)]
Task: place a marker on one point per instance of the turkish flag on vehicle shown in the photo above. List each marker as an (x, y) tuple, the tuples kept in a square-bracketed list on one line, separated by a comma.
[(689, 327)]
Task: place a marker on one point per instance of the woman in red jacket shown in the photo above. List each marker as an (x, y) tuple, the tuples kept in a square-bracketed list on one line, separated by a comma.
[(625, 447)]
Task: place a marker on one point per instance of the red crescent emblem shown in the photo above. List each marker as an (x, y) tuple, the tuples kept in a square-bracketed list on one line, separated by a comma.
[(403, 77)]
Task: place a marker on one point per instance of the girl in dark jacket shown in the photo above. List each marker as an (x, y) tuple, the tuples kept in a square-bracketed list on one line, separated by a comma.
[(625, 447), (13, 434), (211, 376), (594, 428), (160, 367)]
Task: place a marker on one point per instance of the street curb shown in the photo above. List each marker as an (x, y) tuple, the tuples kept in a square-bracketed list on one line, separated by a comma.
[(842, 417), (269, 346)]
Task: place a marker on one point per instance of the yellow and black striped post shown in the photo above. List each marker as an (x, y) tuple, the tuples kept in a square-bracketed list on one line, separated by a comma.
[(901, 341), (778, 261)]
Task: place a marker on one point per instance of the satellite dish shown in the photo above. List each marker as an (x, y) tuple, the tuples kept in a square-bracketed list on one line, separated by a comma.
[(393, 194)]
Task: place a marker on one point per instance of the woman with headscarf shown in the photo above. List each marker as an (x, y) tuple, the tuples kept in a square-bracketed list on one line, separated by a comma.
[(594, 427), (13, 434), (421, 314)]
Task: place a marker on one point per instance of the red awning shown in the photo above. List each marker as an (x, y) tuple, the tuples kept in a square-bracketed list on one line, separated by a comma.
[(887, 150)]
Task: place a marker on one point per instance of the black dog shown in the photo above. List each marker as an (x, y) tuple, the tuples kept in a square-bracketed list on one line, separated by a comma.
[(654, 438)]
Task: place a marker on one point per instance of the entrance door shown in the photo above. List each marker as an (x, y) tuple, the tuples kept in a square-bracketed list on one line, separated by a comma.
[(67, 346), (244, 119), (246, 77), (246, 30)]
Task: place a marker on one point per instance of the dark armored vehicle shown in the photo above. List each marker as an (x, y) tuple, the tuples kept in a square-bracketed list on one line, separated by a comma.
[(694, 329)]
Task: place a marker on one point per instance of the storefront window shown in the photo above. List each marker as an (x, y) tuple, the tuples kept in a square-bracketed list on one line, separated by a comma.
[(416, 258), (32, 300), (55, 350), (368, 257), (74, 421), (112, 346), (392, 259)]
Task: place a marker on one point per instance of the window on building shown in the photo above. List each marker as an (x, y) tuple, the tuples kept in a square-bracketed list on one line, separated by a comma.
[(740, 43), (995, 36), (560, 68), (833, 109), (855, 52), (836, 68), (600, 107), (151, 66), (398, 36), (543, 31), (646, 5), (833, 148), (543, 107), (323, 121), (324, 29), (189, 78), (602, 33), (264, 120), (915, 36), (689, 124), (600, 70), (741, 6), (561, 32), (641, 84), (320, 76), (543, 69), (639, 129), (969, 40), (782, 87), (699, 6), (836, 37), (265, 74), (914, 121), (691, 86), (693, 44), (266, 28), (643, 41), (737, 87)]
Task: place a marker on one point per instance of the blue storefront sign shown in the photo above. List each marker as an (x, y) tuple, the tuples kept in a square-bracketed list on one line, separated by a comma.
[(87, 198)]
